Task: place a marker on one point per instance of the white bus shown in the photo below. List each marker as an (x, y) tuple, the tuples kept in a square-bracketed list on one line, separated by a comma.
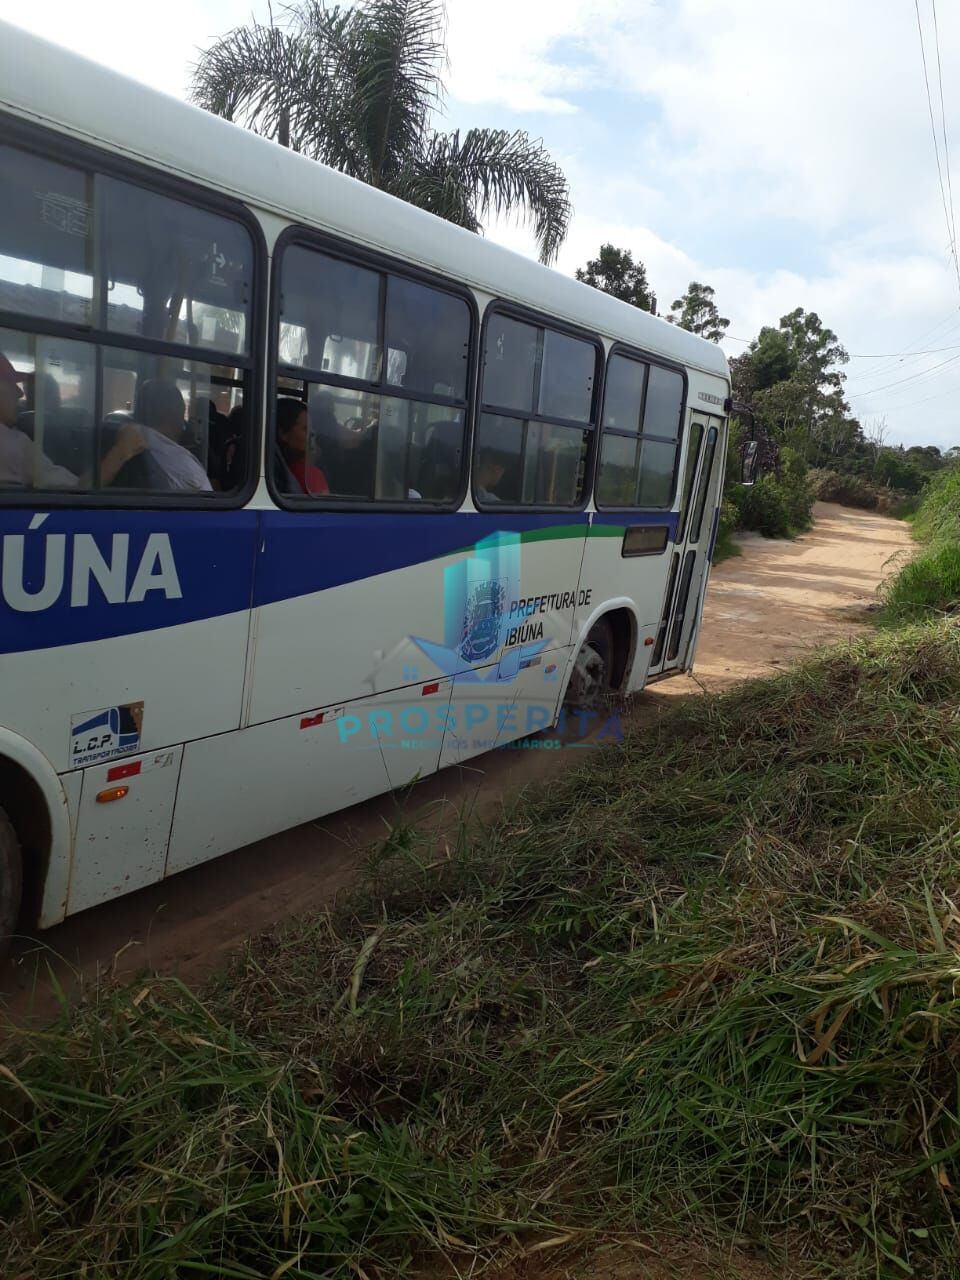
[(304, 492)]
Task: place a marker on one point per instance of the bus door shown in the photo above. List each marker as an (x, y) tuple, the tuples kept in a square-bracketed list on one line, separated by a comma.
[(690, 558)]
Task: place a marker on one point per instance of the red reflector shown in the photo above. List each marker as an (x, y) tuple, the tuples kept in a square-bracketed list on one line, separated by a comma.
[(124, 771), (308, 722), (429, 688), (649, 640)]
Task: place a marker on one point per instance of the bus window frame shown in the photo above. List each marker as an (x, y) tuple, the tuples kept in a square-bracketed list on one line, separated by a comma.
[(542, 319), (634, 353), (297, 234), (62, 148)]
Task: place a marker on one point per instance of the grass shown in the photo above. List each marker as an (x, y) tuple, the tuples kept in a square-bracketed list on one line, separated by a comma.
[(928, 585), (710, 983)]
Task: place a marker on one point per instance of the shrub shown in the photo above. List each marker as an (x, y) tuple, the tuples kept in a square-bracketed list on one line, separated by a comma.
[(930, 583), (795, 489), (938, 516), (725, 547), (833, 486), (778, 506)]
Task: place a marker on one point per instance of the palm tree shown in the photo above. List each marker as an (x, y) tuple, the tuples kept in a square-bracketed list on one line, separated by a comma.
[(356, 88)]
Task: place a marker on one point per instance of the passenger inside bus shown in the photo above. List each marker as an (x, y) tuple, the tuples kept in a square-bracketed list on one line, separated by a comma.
[(160, 409), (490, 471), (23, 464), (295, 472)]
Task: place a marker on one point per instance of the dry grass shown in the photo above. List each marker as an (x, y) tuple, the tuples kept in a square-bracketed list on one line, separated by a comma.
[(707, 985)]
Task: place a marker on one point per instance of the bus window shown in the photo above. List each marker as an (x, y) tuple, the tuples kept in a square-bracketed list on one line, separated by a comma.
[(176, 273), (46, 241), (641, 431), (382, 363), (90, 413), (537, 404), (426, 341)]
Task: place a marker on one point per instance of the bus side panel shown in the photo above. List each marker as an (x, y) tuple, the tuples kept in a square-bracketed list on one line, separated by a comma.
[(156, 608), (497, 705), (126, 835), (641, 578), (247, 785), (354, 604)]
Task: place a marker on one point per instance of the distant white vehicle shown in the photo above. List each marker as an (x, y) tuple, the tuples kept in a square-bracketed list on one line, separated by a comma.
[(303, 492)]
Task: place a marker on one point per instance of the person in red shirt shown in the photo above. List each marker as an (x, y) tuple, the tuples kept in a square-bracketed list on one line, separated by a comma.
[(293, 436)]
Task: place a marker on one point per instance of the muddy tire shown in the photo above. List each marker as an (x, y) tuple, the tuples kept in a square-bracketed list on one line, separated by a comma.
[(591, 685), (11, 882)]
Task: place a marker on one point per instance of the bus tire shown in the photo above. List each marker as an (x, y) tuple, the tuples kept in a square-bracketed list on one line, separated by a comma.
[(591, 685), (11, 882)]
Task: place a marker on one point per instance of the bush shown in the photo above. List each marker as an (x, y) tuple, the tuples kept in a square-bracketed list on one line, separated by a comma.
[(796, 490), (938, 516), (761, 508), (930, 583), (725, 547), (849, 490), (778, 506)]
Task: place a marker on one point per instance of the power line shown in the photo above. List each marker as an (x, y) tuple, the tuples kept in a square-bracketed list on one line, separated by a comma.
[(943, 121), (943, 328), (922, 374), (901, 355), (877, 355), (913, 404), (899, 363), (936, 146)]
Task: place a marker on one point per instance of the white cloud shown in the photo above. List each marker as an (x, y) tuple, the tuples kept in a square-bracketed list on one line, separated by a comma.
[(500, 50), (809, 118)]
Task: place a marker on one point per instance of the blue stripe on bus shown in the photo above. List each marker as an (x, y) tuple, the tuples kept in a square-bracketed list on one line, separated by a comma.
[(214, 553), (303, 552)]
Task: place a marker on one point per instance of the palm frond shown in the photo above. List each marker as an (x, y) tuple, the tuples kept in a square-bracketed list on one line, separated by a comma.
[(259, 76), (398, 59), (492, 171), (356, 87)]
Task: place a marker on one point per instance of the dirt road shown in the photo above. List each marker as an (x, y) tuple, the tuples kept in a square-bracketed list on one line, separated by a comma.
[(780, 599), (775, 600)]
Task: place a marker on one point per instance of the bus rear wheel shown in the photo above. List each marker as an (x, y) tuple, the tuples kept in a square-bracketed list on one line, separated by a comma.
[(11, 882), (591, 685)]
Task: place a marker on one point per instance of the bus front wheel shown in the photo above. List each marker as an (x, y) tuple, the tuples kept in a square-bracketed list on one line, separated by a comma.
[(591, 685), (11, 882)]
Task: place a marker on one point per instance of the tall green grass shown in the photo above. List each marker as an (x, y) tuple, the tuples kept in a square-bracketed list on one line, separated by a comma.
[(928, 585), (707, 984)]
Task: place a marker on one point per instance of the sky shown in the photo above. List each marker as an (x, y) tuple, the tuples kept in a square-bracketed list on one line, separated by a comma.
[(778, 150)]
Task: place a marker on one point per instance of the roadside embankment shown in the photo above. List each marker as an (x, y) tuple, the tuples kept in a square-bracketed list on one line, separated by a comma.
[(705, 986)]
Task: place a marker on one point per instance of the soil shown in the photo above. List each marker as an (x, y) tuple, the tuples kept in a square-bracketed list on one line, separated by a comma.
[(773, 601)]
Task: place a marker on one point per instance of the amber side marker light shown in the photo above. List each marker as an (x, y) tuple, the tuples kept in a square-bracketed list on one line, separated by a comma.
[(111, 793)]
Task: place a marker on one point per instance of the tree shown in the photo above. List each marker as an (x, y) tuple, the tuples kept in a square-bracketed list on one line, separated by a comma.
[(357, 88), (876, 435), (772, 358), (697, 312), (815, 349), (615, 272)]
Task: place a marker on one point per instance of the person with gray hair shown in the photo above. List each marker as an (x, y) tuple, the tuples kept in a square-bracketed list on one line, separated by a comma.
[(159, 409)]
